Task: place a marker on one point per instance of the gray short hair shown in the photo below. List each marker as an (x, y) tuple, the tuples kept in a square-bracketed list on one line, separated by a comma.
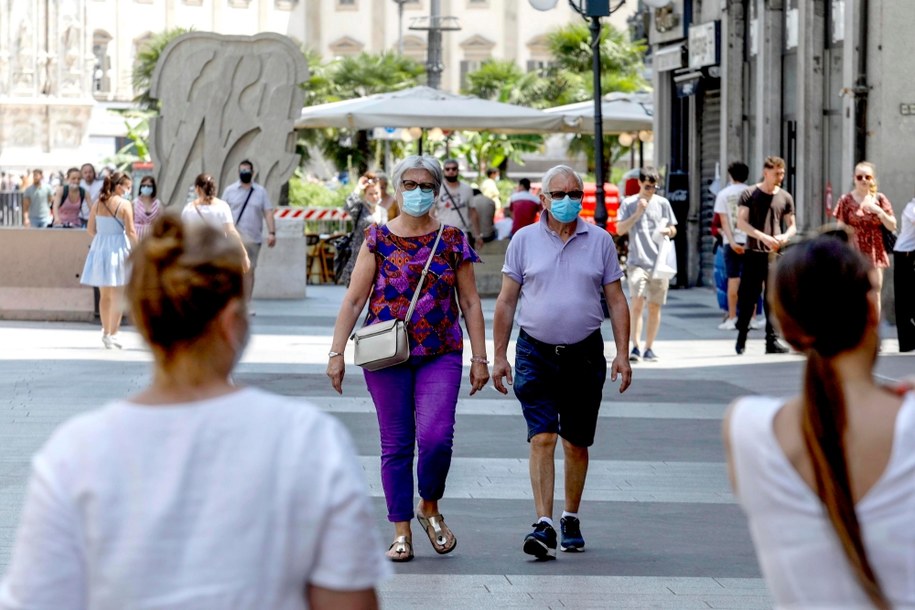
[(426, 162), (557, 171)]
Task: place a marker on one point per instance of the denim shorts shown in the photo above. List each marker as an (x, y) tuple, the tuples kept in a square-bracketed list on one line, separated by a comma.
[(560, 387), (733, 263)]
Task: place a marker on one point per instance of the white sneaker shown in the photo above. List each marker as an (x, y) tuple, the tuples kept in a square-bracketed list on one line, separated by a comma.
[(106, 340), (113, 339), (757, 323), (729, 324)]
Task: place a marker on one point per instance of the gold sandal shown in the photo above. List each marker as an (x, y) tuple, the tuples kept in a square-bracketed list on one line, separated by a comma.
[(402, 548), (438, 532)]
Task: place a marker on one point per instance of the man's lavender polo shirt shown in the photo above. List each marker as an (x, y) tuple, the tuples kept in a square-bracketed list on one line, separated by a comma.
[(561, 283)]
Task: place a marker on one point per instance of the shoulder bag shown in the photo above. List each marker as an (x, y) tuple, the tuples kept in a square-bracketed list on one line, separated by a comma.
[(385, 344), (888, 237)]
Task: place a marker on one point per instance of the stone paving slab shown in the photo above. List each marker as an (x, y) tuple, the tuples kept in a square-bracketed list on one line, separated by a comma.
[(608, 480), (513, 591), (675, 440)]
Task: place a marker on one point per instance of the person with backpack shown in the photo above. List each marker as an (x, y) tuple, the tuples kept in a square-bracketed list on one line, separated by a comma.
[(68, 202)]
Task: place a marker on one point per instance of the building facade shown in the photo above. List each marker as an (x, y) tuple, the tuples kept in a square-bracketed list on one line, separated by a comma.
[(821, 83), (71, 60)]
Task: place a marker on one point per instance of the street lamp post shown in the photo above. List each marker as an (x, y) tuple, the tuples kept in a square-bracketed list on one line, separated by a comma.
[(593, 10), (435, 24), (400, 4)]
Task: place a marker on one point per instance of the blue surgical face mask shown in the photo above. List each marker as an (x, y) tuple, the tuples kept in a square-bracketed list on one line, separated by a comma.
[(565, 209), (417, 202), (146, 190)]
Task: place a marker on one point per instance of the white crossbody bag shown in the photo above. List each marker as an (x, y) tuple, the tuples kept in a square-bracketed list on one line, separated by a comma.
[(385, 344)]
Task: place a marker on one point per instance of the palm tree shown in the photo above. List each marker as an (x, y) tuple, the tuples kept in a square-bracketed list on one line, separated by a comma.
[(622, 62), (348, 78), (145, 64)]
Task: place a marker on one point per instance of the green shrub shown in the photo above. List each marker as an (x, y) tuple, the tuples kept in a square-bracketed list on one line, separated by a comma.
[(304, 194)]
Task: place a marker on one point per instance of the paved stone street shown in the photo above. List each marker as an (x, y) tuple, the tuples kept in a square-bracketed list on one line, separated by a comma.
[(661, 526)]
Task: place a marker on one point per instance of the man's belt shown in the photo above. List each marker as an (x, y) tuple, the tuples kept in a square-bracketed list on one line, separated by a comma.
[(568, 349)]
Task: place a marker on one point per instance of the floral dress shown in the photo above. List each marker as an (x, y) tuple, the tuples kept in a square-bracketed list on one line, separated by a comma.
[(866, 225)]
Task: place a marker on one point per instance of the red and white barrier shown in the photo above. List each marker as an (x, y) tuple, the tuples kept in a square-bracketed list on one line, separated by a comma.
[(326, 214)]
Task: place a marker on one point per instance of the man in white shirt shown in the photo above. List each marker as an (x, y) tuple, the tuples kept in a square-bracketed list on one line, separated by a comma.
[(454, 206), (251, 208), (734, 241), (641, 216), (92, 184)]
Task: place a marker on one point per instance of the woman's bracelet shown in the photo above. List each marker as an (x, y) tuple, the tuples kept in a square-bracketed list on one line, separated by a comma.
[(334, 354), (479, 359)]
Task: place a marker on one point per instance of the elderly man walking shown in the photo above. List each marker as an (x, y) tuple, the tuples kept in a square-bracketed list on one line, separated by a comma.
[(556, 270)]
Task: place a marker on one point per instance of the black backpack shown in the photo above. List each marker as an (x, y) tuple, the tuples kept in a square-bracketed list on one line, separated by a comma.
[(82, 194)]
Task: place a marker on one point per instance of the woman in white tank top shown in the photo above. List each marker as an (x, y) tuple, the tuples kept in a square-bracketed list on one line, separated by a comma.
[(827, 478)]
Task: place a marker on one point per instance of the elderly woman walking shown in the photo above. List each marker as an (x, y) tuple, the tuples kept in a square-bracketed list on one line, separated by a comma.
[(415, 401)]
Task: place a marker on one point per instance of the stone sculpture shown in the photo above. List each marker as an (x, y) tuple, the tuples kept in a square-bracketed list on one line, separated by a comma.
[(224, 99)]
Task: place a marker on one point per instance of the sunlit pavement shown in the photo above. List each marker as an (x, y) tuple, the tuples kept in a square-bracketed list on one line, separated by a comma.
[(661, 525)]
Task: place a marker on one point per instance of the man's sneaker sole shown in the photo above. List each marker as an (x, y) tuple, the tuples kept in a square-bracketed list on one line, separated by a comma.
[(572, 549), (538, 549)]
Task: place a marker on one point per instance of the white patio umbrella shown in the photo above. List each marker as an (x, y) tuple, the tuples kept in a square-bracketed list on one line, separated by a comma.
[(621, 112), (427, 108)]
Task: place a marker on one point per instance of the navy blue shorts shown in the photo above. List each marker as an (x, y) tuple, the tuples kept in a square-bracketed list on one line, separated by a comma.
[(733, 263), (560, 387)]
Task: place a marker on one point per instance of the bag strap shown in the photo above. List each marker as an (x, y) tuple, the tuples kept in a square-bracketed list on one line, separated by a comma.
[(247, 199), (422, 278), (115, 213), (457, 208)]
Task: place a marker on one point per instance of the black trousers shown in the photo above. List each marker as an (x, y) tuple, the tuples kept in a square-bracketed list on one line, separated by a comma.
[(753, 280), (904, 292)]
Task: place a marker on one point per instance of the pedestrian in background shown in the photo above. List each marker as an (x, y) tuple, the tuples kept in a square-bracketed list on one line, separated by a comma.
[(113, 235), (866, 210), (766, 214), (484, 228), (643, 216), (904, 279), (490, 186), (416, 401), (68, 201), (827, 478), (208, 209), (92, 184), (36, 202), (453, 207), (557, 270), (195, 493), (146, 207), (251, 210), (735, 241), (363, 207), (523, 206), (388, 201)]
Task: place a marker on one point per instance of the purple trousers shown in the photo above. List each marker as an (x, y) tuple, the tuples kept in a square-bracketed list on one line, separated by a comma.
[(415, 403)]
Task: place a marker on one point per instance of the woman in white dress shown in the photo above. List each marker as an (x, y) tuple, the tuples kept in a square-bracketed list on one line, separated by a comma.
[(209, 209), (195, 493), (827, 478), (113, 234)]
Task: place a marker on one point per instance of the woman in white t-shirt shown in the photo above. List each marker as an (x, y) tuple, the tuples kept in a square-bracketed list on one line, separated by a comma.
[(195, 493), (827, 478), (208, 209)]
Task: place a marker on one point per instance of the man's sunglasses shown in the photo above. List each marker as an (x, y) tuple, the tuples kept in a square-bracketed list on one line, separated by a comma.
[(577, 195)]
